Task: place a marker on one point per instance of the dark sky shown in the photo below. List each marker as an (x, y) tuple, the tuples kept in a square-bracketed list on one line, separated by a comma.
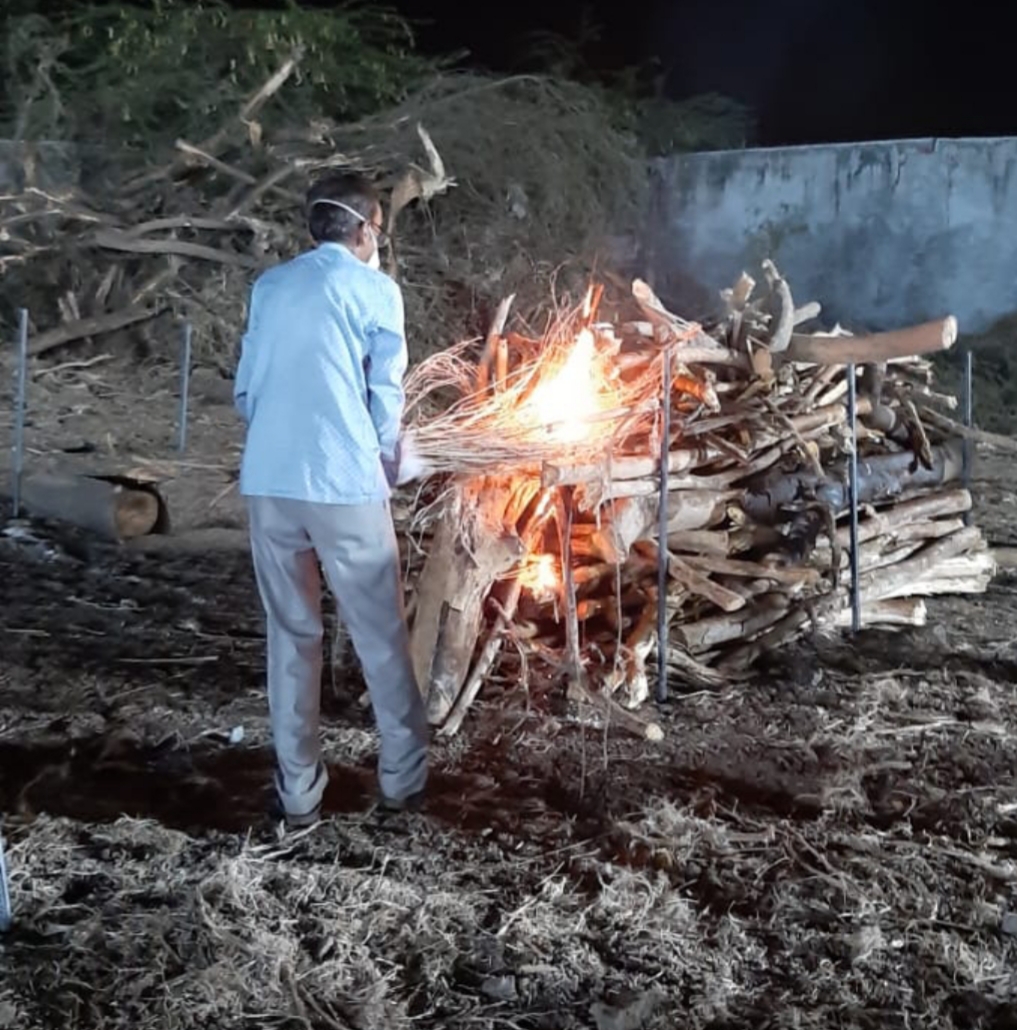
[(812, 70)]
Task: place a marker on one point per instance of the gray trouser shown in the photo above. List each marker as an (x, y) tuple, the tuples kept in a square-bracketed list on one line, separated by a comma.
[(359, 555)]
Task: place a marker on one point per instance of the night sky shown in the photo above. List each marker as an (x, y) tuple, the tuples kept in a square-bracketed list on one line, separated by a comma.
[(812, 70)]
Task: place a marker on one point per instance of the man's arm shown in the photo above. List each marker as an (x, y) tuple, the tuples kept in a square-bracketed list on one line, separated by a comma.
[(386, 365), (242, 381)]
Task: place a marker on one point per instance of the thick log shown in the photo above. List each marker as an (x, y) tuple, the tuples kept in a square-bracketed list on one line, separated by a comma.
[(880, 479), (114, 510), (484, 662), (928, 338), (469, 552)]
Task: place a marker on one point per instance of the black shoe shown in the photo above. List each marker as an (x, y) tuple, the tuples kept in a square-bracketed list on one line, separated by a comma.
[(295, 822), (413, 803)]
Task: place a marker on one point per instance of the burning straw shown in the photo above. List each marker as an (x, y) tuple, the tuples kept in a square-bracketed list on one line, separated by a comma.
[(565, 400)]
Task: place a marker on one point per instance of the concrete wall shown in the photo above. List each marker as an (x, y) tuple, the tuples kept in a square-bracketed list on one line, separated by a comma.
[(882, 234)]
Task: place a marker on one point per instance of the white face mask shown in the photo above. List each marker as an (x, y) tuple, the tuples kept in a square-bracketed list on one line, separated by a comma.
[(374, 261)]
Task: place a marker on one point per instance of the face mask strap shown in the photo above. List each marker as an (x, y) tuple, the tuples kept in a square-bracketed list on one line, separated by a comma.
[(345, 207)]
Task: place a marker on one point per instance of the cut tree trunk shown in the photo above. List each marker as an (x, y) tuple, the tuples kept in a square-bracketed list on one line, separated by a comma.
[(114, 510)]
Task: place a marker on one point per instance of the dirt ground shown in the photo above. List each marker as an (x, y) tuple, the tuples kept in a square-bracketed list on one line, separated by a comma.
[(832, 845)]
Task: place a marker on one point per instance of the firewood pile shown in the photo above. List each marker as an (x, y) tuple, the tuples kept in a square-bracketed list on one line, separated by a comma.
[(542, 549)]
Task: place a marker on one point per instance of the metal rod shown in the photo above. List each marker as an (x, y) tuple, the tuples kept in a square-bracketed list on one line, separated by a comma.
[(19, 411), (185, 383), (565, 499), (6, 910), (969, 421), (665, 448), (856, 597)]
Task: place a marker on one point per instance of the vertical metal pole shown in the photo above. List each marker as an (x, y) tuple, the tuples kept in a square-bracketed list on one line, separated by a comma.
[(662, 554), (6, 910), (185, 383), (856, 600), (969, 421), (19, 411)]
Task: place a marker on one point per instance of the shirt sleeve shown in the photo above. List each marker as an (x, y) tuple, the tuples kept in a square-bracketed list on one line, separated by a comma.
[(242, 381), (386, 365)]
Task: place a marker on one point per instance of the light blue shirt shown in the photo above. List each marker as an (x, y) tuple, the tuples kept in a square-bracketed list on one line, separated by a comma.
[(319, 382)]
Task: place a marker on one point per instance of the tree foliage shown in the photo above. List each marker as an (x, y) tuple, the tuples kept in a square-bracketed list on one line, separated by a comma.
[(142, 76)]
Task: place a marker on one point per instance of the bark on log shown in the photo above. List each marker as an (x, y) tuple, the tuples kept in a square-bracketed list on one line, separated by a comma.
[(112, 510), (469, 552), (484, 662), (927, 338), (880, 478)]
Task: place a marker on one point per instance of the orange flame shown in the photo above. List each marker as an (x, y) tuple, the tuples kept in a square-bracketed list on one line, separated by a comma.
[(567, 399), (539, 575)]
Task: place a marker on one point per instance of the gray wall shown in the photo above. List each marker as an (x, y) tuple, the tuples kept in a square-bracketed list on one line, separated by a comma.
[(882, 234)]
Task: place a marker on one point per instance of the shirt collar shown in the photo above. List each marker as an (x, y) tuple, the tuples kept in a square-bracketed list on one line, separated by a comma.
[(337, 248)]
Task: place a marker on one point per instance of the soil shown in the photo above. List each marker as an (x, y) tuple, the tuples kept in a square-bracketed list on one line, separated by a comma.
[(833, 844)]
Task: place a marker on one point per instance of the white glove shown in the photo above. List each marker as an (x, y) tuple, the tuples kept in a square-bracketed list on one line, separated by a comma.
[(412, 465)]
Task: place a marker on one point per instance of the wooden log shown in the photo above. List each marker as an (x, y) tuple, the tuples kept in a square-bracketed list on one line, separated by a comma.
[(780, 338), (927, 338), (807, 312), (880, 478), (111, 239), (622, 523), (705, 634), (614, 714), (469, 553), (114, 510), (484, 662), (921, 510), (717, 542), (787, 575), (697, 583), (636, 361), (669, 327), (898, 612), (84, 328)]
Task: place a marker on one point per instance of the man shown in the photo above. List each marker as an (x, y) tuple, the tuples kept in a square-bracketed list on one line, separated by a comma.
[(319, 385)]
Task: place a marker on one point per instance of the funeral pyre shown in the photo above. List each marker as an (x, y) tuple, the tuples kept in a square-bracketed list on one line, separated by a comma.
[(542, 557)]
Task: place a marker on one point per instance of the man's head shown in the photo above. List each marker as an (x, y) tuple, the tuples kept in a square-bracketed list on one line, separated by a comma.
[(345, 208)]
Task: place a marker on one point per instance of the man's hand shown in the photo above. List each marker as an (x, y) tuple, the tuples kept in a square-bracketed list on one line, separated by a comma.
[(412, 465)]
